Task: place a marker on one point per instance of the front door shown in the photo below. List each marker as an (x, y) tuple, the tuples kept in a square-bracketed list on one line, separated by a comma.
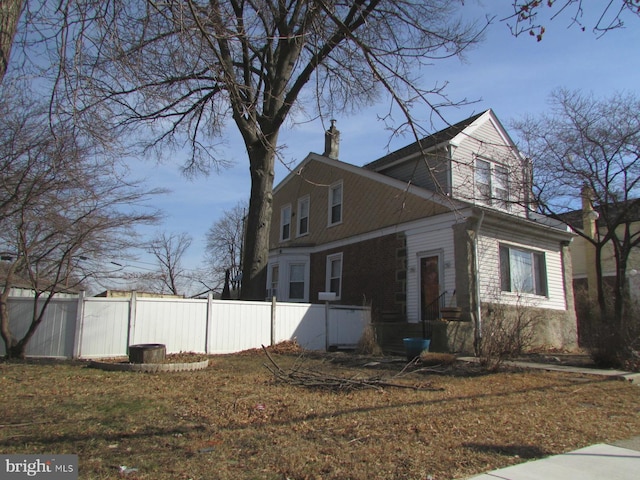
[(429, 287)]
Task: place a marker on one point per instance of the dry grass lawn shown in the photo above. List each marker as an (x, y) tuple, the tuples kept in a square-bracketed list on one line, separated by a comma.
[(234, 420)]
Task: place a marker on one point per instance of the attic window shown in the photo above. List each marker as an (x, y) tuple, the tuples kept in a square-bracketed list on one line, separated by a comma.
[(492, 183), (483, 180)]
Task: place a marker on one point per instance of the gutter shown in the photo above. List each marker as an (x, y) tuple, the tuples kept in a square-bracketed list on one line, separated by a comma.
[(476, 272)]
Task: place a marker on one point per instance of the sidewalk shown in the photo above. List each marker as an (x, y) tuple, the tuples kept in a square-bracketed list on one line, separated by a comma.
[(619, 461), (610, 373), (616, 461)]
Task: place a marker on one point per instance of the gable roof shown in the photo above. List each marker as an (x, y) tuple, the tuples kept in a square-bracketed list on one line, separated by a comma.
[(430, 195), (426, 143)]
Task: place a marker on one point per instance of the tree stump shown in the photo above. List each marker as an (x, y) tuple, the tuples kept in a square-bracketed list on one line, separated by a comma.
[(147, 353)]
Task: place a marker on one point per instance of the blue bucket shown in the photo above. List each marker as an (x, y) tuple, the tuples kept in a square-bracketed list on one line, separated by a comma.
[(415, 346)]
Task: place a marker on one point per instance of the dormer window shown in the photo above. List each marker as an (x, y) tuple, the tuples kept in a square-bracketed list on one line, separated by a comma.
[(501, 186), (483, 180), (492, 183)]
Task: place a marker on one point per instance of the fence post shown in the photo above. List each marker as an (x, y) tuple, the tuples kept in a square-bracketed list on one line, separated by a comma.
[(77, 337), (132, 320), (326, 297), (207, 331), (273, 320)]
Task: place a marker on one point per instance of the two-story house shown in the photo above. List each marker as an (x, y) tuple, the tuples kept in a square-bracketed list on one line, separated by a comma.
[(590, 220), (441, 222)]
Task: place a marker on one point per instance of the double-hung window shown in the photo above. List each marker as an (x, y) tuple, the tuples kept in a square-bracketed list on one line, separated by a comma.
[(335, 203), (522, 271), (296, 281), (492, 183), (501, 186), (303, 216), (285, 223), (334, 274), (483, 180)]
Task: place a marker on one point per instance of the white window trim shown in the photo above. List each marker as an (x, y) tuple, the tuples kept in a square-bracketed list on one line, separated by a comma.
[(330, 204), (284, 262), (282, 220), (305, 282), (493, 199), (271, 282), (301, 200), (544, 272), (330, 259)]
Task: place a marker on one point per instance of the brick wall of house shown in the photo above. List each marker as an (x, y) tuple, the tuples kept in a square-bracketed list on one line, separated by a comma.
[(373, 273)]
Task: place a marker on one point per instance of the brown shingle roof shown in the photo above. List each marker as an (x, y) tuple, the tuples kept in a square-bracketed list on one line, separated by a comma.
[(426, 143)]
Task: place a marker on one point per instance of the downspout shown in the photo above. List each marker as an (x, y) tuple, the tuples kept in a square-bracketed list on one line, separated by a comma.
[(476, 273)]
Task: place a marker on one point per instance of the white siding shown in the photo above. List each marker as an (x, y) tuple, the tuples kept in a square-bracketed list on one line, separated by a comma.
[(489, 261), (485, 141), (435, 235)]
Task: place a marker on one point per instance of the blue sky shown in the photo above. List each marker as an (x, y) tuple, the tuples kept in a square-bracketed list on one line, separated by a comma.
[(513, 76)]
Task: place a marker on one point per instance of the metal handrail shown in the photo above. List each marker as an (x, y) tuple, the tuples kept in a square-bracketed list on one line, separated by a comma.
[(439, 303)]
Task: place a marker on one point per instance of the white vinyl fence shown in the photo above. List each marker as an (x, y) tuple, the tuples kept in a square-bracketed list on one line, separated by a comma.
[(91, 327)]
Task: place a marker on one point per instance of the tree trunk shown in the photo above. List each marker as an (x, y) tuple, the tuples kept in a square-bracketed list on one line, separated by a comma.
[(258, 225), (5, 330), (9, 15), (16, 348), (602, 304)]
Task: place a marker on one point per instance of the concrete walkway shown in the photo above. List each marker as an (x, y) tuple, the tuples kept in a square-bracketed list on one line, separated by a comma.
[(603, 372), (620, 461), (616, 461)]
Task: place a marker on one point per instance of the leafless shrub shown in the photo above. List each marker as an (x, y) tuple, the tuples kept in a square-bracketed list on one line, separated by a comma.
[(368, 345), (507, 331)]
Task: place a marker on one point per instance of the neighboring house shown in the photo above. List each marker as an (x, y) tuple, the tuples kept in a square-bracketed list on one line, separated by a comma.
[(21, 287), (129, 294), (583, 253), (438, 223)]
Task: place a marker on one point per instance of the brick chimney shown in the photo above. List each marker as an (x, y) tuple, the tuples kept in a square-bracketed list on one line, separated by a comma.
[(332, 141)]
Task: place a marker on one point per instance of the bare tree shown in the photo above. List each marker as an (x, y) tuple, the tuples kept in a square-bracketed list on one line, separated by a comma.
[(169, 250), (224, 245), (171, 74), (183, 68), (10, 11), (63, 210), (589, 146), (610, 15)]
